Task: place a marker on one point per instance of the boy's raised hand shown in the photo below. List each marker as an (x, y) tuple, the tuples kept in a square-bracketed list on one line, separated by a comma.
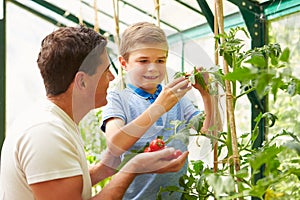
[(198, 85), (172, 93)]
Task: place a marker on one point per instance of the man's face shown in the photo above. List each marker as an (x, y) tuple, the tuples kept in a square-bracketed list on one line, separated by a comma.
[(99, 82)]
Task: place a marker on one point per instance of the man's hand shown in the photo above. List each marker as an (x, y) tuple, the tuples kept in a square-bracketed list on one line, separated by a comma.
[(162, 161)]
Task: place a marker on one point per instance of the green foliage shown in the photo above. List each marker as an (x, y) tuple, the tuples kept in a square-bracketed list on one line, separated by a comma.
[(286, 107), (267, 68), (281, 164), (267, 71), (94, 141), (193, 185), (198, 76)]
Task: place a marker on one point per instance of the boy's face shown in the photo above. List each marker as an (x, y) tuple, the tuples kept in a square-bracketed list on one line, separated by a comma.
[(146, 67)]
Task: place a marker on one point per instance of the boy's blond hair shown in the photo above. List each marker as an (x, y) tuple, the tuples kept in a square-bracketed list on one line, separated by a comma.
[(141, 33)]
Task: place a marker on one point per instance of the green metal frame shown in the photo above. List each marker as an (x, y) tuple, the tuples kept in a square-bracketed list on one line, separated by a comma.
[(253, 14), (58, 11), (286, 7), (232, 20), (2, 74), (207, 13), (149, 14)]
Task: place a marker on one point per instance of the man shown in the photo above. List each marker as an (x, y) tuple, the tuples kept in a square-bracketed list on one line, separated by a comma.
[(43, 156)]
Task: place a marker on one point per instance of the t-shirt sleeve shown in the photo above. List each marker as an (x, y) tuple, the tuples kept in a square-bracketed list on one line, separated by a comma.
[(46, 152), (189, 109), (114, 108)]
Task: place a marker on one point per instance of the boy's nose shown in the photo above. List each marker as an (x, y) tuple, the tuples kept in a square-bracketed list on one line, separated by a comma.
[(151, 66)]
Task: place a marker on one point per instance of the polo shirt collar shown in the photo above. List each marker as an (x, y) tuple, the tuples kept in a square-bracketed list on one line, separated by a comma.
[(144, 94)]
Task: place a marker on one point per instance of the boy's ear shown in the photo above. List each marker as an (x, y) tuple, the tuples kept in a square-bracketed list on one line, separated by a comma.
[(123, 62)]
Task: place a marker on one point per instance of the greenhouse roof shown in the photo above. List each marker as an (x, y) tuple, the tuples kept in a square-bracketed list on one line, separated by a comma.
[(175, 15)]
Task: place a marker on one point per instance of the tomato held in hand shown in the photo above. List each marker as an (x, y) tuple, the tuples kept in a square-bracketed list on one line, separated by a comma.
[(147, 149), (157, 144)]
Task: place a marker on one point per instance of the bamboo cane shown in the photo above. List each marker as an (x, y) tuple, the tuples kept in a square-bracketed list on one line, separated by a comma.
[(80, 13), (116, 19), (157, 13), (96, 24), (229, 96), (117, 40), (215, 102)]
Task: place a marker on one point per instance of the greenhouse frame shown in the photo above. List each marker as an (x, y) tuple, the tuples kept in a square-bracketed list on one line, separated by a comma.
[(193, 22)]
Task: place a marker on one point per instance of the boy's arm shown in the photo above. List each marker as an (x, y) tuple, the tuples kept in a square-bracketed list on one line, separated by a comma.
[(121, 137), (207, 101)]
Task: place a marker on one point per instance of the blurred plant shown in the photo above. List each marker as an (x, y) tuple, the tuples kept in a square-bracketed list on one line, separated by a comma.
[(94, 141), (287, 36)]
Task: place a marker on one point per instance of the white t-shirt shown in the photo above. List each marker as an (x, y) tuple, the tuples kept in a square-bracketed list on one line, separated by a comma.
[(43, 145)]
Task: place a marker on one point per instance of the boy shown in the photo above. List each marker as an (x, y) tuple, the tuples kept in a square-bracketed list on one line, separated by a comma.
[(143, 111)]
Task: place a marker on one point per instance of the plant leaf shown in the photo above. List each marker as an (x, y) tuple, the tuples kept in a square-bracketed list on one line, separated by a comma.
[(285, 55)]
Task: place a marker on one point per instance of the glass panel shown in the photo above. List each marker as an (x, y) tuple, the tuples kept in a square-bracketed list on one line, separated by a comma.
[(24, 86), (285, 31)]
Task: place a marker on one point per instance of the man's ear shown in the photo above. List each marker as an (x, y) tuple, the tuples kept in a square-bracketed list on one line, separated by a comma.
[(79, 80), (123, 62)]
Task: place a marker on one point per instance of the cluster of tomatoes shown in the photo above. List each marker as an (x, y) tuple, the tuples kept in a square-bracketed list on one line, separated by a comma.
[(155, 145)]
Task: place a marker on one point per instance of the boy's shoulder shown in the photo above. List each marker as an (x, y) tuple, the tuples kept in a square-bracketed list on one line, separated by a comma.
[(125, 95), (120, 91)]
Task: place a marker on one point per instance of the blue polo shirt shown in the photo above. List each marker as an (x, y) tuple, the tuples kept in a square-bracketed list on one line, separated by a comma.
[(127, 105)]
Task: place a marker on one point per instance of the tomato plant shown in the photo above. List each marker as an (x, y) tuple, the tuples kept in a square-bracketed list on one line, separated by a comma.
[(263, 70)]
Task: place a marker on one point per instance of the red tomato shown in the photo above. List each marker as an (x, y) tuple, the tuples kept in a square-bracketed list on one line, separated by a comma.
[(187, 75), (157, 144), (147, 149)]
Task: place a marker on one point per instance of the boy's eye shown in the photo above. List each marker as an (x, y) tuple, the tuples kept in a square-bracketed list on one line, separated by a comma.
[(161, 61), (142, 61)]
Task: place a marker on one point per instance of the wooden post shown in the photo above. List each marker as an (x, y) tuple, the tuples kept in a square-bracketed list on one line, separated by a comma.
[(2, 71), (229, 96)]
